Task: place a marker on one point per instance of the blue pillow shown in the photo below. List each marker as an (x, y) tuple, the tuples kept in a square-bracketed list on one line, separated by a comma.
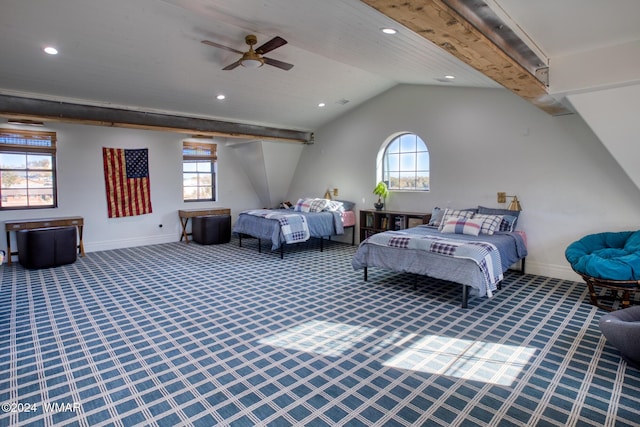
[(633, 242), (436, 217), (508, 223)]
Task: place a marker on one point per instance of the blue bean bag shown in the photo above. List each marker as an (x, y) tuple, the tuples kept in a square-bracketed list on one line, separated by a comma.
[(610, 256)]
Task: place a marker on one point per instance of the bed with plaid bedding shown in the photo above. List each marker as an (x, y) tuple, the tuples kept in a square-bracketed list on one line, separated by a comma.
[(477, 263), (484, 254), (284, 226), (293, 226)]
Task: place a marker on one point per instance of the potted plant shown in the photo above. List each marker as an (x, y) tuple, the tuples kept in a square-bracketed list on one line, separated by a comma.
[(382, 191)]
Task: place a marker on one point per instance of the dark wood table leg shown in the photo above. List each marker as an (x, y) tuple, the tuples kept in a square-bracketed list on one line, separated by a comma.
[(184, 222), (8, 248)]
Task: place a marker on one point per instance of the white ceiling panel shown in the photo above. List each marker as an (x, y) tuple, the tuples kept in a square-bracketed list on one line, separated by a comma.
[(148, 55), (562, 27)]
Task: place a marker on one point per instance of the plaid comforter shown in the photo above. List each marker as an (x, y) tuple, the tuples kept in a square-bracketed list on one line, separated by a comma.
[(484, 254), (294, 226)]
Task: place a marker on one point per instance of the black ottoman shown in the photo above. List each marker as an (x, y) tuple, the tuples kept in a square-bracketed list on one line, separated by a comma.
[(211, 229), (47, 247), (622, 329)]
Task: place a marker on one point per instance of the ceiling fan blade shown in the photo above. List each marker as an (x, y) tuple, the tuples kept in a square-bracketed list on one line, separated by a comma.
[(272, 44), (232, 66), (279, 64), (210, 43)]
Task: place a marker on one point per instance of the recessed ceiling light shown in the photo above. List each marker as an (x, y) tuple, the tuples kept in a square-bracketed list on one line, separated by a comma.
[(389, 30), (51, 50), (220, 97), (322, 104), (450, 77)]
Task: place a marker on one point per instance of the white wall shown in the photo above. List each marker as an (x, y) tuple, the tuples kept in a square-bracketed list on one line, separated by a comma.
[(612, 114), (482, 141), (270, 166), (81, 187)]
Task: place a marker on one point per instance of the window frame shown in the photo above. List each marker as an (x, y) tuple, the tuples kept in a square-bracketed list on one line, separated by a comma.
[(193, 151), (383, 175), (26, 149)]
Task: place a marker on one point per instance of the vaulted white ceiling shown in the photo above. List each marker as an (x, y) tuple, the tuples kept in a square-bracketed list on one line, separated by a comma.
[(147, 54)]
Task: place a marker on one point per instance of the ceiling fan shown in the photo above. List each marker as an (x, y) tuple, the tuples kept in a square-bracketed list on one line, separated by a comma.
[(253, 58)]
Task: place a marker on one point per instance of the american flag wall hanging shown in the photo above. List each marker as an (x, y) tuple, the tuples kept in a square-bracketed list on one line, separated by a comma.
[(126, 176)]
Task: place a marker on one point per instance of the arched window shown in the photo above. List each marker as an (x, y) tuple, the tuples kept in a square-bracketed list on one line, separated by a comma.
[(403, 163)]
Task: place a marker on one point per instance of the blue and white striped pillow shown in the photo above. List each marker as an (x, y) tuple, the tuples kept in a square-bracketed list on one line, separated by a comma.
[(454, 213), (462, 226), (311, 205)]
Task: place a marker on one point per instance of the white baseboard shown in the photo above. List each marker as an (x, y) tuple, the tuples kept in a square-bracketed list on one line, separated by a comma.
[(129, 243), (551, 270)]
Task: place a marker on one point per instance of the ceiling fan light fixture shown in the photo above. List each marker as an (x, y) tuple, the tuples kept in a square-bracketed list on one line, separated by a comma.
[(251, 59), (251, 63)]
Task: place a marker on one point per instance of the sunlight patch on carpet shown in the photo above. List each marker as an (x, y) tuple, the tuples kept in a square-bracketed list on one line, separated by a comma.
[(472, 360), (320, 337)]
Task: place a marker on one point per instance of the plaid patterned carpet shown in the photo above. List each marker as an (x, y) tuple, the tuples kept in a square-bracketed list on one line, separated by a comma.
[(179, 334)]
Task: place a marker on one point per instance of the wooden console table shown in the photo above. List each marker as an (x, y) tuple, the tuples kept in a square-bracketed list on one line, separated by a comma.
[(31, 224), (185, 214)]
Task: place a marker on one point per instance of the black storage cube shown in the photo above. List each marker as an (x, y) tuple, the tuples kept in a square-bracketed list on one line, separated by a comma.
[(211, 229), (47, 247), (66, 245)]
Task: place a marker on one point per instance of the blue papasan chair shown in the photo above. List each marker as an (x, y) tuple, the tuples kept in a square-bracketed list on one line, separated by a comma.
[(608, 260)]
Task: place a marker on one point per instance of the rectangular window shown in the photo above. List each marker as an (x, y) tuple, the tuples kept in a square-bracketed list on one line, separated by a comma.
[(198, 171), (27, 169)]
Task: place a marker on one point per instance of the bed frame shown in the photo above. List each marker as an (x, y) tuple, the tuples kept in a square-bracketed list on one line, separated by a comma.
[(461, 271), (465, 288), (282, 243)]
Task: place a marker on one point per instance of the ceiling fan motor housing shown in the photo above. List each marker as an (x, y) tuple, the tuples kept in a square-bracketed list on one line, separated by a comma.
[(251, 39)]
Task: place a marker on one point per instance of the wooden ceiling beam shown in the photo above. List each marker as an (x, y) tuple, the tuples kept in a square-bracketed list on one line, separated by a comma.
[(47, 110), (441, 24)]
